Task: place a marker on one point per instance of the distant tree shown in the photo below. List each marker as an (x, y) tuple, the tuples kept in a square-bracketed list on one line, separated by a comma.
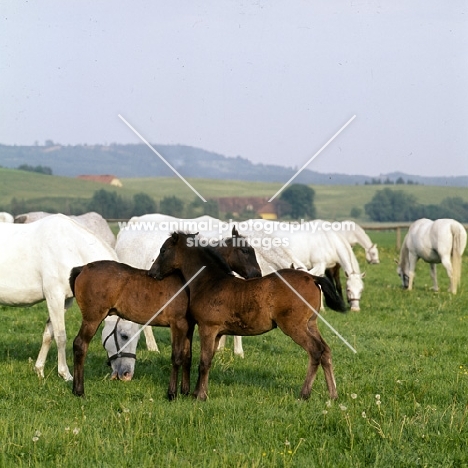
[(39, 169), (172, 206), (355, 212), (199, 208), (400, 180), (300, 197), (456, 208), (392, 205), (143, 204), (110, 205), (17, 206)]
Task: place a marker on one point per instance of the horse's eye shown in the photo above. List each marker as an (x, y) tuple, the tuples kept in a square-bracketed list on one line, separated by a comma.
[(245, 251), (162, 250), (124, 337)]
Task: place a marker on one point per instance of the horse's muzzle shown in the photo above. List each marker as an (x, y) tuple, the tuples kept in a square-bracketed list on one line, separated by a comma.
[(155, 273), (254, 274)]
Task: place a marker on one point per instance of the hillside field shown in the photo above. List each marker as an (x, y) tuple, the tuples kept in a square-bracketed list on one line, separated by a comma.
[(332, 202)]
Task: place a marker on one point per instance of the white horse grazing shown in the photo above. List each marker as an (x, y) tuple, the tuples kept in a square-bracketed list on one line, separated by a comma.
[(92, 221), (6, 217), (35, 264), (354, 234), (118, 333), (441, 241), (320, 250)]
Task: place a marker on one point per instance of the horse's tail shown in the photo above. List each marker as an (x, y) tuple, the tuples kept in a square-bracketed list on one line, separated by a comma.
[(73, 275), (332, 298), (458, 246)]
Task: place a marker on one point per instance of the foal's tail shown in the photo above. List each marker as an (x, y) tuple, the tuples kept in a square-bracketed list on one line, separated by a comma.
[(458, 246), (332, 298), (73, 275)]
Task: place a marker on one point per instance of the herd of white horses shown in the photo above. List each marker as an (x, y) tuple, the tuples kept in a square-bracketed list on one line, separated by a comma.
[(40, 249)]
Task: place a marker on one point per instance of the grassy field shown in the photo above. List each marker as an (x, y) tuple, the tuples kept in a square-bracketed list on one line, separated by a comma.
[(403, 396), (332, 202)]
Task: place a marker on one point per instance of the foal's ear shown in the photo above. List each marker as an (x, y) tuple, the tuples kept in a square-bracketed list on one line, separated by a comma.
[(175, 236), (235, 232)]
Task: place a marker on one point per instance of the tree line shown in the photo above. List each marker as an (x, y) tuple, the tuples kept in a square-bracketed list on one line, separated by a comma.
[(298, 202), (396, 205)]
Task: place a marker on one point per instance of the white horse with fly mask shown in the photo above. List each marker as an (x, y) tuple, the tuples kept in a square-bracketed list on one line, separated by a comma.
[(441, 241), (35, 264)]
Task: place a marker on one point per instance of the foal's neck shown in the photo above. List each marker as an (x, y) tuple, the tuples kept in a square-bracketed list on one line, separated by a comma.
[(197, 257)]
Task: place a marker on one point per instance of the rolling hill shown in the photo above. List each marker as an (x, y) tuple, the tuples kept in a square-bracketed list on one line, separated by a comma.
[(131, 161), (58, 193)]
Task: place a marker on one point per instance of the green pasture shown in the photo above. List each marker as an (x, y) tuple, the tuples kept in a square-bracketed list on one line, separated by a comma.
[(332, 201), (403, 396)]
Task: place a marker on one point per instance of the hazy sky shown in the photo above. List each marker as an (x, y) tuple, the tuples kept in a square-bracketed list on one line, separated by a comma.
[(270, 81)]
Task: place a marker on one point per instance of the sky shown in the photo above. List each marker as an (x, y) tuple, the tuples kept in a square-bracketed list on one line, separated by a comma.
[(270, 81)]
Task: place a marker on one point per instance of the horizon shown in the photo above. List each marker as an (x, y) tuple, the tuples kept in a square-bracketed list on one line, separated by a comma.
[(50, 143), (260, 80)]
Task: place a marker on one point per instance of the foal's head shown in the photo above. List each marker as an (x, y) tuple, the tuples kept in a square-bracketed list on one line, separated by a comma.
[(225, 255), (170, 258), (239, 255)]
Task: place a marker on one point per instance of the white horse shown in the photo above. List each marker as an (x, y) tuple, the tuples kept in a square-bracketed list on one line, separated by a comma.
[(354, 234), (35, 264), (319, 250), (92, 221), (118, 334), (6, 217), (441, 241)]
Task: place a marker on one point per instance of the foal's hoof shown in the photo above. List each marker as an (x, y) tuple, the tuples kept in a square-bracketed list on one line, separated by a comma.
[(78, 393)]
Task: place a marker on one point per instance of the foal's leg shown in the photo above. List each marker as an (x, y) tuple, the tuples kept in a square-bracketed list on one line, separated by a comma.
[(208, 343), (327, 366), (181, 333), (435, 286), (150, 341), (303, 330), (80, 349)]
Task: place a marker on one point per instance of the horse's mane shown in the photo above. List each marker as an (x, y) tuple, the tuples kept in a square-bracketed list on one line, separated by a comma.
[(211, 253), (218, 259)]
